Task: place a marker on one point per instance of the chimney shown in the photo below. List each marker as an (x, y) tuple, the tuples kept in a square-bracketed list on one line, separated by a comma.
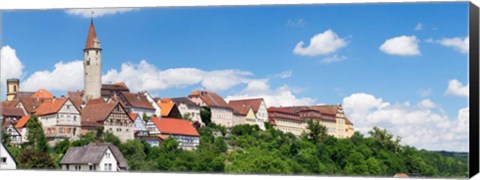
[(97, 142)]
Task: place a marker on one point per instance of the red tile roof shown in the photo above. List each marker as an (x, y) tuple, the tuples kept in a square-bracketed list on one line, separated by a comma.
[(239, 108), (12, 112), (166, 108), (31, 104), (175, 126), (42, 93), (22, 122), (211, 99), (133, 116), (94, 114), (50, 106), (91, 37), (254, 103), (11, 103), (137, 100)]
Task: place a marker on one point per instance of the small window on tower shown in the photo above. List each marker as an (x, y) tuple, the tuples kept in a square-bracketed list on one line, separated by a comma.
[(96, 52), (88, 62)]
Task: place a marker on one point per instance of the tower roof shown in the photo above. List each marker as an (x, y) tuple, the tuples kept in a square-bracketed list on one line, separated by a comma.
[(92, 37)]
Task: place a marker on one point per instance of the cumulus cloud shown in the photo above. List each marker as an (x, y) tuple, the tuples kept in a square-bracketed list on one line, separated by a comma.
[(87, 13), (456, 88), (281, 96), (11, 66), (320, 44), (146, 76), (457, 43), (64, 76), (401, 46), (334, 58), (419, 26), (417, 126)]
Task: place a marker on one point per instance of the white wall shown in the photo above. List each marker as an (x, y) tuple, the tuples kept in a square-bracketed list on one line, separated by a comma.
[(109, 160), (10, 163)]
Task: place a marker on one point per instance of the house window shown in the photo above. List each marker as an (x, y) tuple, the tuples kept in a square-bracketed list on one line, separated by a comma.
[(61, 131), (74, 118), (88, 62), (107, 154), (4, 160), (90, 167), (68, 167)]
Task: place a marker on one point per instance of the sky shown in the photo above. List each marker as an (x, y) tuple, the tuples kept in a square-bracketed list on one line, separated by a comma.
[(403, 67)]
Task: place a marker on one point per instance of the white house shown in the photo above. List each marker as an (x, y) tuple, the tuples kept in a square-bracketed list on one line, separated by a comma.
[(94, 157), (6, 159), (60, 119), (15, 135), (222, 114), (257, 106), (153, 103), (185, 106)]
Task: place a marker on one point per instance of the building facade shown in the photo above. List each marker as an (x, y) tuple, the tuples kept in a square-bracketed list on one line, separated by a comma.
[(222, 114), (188, 108), (6, 159)]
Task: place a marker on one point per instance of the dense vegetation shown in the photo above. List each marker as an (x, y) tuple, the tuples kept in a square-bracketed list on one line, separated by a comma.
[(246, 149)]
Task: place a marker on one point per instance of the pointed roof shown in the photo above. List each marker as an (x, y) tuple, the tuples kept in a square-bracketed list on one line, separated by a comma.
[(166, 108), (42, 93), (93, 153), (91, 37), (242, 103), (210, 99), (22, 122), (51, 106)]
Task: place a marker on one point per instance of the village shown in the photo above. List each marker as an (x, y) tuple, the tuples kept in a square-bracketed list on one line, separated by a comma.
[(141, 116)]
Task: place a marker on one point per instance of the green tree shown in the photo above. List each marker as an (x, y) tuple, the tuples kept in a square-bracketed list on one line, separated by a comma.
[(186, 116), (35, 135), (61, 147), (33, 159), (6, 139), (85, 139), (99, 133), (316, 132), (206, 115), (145, 117), (111, 138)]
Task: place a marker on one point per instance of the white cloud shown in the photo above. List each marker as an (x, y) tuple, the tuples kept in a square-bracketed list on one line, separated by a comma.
[(401, 46), (285, 74), (456, 88), (146, 76), (419, 26), (426, 103), (320, 44), (425, 92), (296, 23), (334, 58), (87, 13), (417, 126), (64, 76), (457, 43), (11, 66), (282, 96)]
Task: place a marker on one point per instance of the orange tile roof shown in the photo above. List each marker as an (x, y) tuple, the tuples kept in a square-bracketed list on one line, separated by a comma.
[(22, 122), (165, 100), (94, 113), (166, 108), (51, 106), (137, 100), (121, 84), (42, 93), (133, 116), (239, 108), (175, 126), (91, 37), (11, 103)]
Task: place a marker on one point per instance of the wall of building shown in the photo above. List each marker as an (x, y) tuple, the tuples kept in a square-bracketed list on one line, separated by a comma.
[(222, 116), (295, 127), (108, 158), (9, 163), (194, 112), (93, 73)]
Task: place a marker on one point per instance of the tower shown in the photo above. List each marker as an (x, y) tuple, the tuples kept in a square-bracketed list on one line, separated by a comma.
[(13, 86), (92, 65)]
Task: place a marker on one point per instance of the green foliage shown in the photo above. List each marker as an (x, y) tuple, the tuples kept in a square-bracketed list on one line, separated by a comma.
[(33, 159), (206, 115), (186, 116), (61, 147), (109, 137), (145, 117), (85, 139), (5, 137), (316, 132), (35, 135), (99, 132)]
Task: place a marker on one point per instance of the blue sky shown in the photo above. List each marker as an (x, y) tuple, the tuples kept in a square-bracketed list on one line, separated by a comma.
[(260, 40)]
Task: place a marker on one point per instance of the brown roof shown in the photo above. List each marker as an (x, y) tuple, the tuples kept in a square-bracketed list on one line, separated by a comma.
[(50, 106), (22, 122), (239, 108), (325, 109), (12, 112), (175, 126), (113, 89), (282, 110), (94, 114), (42, 93), (32, 103), (254, 103), (137, 100), (76, 98), (91, 37), (11, 103), (184, 100), (211, 99)]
